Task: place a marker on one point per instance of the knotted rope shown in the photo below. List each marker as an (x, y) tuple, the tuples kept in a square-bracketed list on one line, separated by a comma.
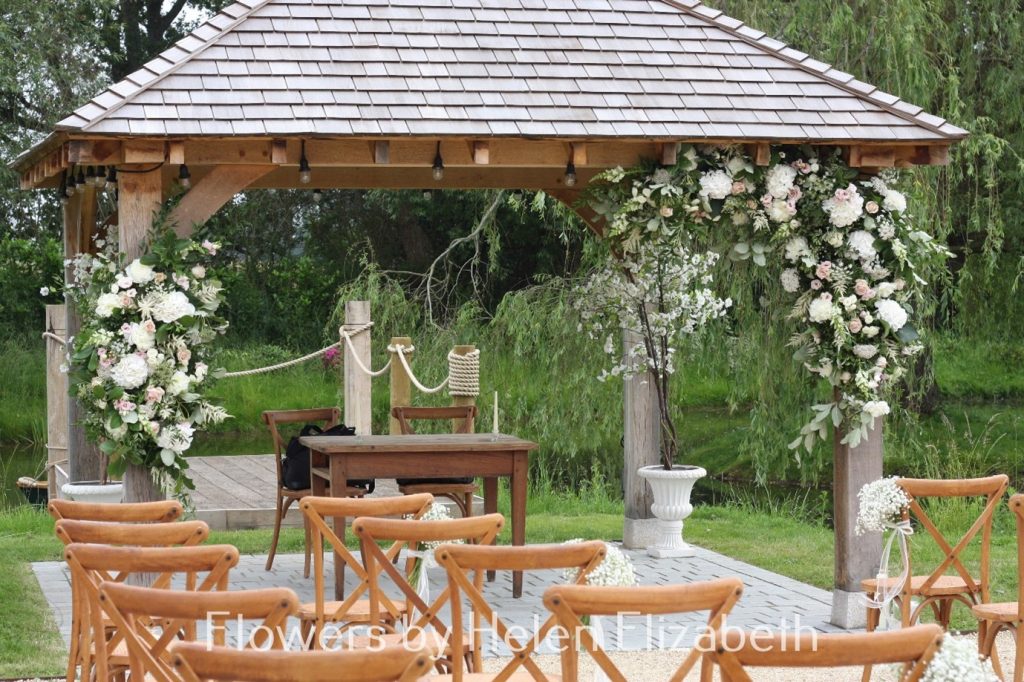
[(885, 594), (281, 365), (347, 337), (463, 372)]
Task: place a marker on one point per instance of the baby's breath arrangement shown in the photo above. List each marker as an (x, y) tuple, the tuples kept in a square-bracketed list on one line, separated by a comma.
[(881, 505), (957, 660), (615, 570)]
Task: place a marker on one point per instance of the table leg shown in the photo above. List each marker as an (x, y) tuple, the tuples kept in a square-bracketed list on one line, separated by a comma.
[(520, 466), (339, 483), (490, 505)]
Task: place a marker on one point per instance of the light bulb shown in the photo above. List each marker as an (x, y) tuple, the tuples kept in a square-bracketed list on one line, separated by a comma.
[(80, 182), (101, 177), (184, 176), (438, 167), (570, 174), (318, 195)]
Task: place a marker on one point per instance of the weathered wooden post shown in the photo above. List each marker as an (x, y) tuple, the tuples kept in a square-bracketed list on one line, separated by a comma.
[(856, 556), (358, 389), (401, 388), (56, 398), (462, 400), (642, 438)]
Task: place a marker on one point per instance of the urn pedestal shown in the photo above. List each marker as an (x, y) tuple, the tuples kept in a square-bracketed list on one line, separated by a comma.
[(671, 488)]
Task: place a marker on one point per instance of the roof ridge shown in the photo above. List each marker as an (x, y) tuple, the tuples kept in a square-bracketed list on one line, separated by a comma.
[(183, 59), (733, 26)]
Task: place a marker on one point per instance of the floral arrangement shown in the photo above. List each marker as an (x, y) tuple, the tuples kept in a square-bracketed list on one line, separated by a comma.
[(332, 359), (424, 553), (139, 363), (957, 660), (881, 504), (845, 249), (615, 570)]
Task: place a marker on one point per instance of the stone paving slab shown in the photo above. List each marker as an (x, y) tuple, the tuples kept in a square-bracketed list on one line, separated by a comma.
[(769, 601)]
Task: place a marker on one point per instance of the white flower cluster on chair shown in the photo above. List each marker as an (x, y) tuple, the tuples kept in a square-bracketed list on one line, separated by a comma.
[(957, 660), (615, 570), (881, 503)]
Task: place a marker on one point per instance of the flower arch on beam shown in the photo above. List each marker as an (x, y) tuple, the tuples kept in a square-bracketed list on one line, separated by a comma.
[(843, 246)]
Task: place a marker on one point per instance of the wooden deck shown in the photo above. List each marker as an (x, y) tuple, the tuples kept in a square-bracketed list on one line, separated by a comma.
[(237, 492)]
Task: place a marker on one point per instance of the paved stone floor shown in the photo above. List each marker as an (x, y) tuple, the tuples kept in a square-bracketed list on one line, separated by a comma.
[(769, 600)]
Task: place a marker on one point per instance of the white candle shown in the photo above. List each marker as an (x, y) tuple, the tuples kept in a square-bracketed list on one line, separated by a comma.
[(494, 422)]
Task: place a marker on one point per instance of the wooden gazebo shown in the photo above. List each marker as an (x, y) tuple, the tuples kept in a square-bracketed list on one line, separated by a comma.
[(500, 93)]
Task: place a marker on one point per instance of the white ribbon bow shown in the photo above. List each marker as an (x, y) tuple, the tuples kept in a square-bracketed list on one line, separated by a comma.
[(597, 632), (426, 561), (885, 594)]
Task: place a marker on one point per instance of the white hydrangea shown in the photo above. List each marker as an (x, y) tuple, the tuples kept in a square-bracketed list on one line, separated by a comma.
[(615, 570), (822, 310), (174, 439), (143, 336), (780, 211), (790, 280), (845, 207), (797, 248), (892, 313), (894, 201), (957, 660), (862, 243), (130, 372), (106, 304), (779, 180), (138, 272), (881, 503), (172, 307), (178, 384), (716, 184)]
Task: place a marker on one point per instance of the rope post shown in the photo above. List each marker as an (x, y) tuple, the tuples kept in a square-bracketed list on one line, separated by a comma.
[(461, 400), (56, 398), (401, 389), (358, 386)]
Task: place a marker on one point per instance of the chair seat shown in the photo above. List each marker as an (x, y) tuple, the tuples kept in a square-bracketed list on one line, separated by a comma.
[(1003, 612), (945, 586), (357, 613), (522, 676)]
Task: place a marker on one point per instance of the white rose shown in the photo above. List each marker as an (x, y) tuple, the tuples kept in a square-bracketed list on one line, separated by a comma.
[(201, 370), (892, 313), (885, 289), (44, 291), (174, 440), (779, 211), (866, 351), (139, 273), (894, 201), (198, 271), (849, 302), (790, 280), (124, 282), (130, 372), (106, 304), (141, 337), (173, 306), (876, 408), (178, 384), (715, 184), (834, 238), (869, 332), (796, 248), (862, 243), (821, 310), (779, 180)]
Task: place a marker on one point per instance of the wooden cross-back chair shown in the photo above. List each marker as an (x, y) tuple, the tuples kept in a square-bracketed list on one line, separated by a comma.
[(196, 662), (93, 564), (912, 647), (459, 490), (355, 608), (285, 497), (570, 602), (414, 535), (994, 618), (459, 560), (151, 619), (163, 511), (938, 589), (180, 534)]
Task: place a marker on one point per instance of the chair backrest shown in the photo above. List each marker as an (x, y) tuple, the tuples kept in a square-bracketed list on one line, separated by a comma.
[(463, 416), (318, 509), (93, 564), (414, 535), (913, 647), (128, 512), (1017, 507), (181, 533), (195, 662), (151, 619), (570, 602), (459, 560), (330, 416), (990, 487)]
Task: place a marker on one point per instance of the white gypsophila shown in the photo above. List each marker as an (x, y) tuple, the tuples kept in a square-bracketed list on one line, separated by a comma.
[(716, 184), (797, 248), (865, 350), (615, 570), (779, 180), (437, 512), (138, 272), (862, 243), (130, 372), (106, 304), (894, 201), (881, 503), (892, 313), (178, 384), (790, 280), (957, 660), (821, 310), (172, 307)]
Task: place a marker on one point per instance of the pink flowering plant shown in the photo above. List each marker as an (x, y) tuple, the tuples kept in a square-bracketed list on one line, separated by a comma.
[(845, 248), (139, 365)]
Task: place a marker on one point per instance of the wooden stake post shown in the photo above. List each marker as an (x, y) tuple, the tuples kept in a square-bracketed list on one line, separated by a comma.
[(461, 400), (56, 399), (358, 386), (401, 387), (641, 440)]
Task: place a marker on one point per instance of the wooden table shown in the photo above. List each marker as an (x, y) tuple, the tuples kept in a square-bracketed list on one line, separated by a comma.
[(482, 455)]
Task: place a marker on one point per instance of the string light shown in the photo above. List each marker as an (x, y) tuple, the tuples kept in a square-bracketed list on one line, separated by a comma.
[(438, 168), (69, 185), (112, 178), (90, 176), (63, 191), (318, 195), (305, 175), (80, 181), (101, 177), (570, 168), (184, 176)]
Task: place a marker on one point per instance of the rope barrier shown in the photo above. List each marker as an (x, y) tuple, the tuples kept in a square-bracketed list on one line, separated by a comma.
[(347, 336), (51, 335), (280, 365), (400, 351)]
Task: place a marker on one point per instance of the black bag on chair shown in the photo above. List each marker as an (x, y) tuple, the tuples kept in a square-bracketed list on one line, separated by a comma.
[(295, 467)]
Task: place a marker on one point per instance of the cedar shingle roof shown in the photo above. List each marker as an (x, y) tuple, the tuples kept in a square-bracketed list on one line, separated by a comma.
[(551, 68)]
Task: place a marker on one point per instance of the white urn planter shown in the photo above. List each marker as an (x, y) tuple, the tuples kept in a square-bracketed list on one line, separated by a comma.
[(672, 488), (93, 491)]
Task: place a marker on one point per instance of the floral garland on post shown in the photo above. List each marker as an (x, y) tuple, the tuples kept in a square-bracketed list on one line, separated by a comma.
[(850, 256), (139, 363)]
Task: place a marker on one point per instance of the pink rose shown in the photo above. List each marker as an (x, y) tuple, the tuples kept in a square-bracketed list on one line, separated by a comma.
[(751, 204), (767, 200), (862, 289), (815, 284), (154, 394), (843, 195), (823, 270), (738, 187), (184, 355), (149, 326), (871, 207), (795, 193), (855, 325)]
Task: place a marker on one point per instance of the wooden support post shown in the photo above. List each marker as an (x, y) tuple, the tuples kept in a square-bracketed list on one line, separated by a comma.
[(138, 201), (401, 387), (642, 438), (461, 400), (856, 557), (56, 399), (358, 386)]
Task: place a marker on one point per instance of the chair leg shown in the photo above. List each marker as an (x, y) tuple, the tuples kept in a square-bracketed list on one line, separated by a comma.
[(277, 532), (467, 511), (309, 546), (873, 617), (1018, 660)]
